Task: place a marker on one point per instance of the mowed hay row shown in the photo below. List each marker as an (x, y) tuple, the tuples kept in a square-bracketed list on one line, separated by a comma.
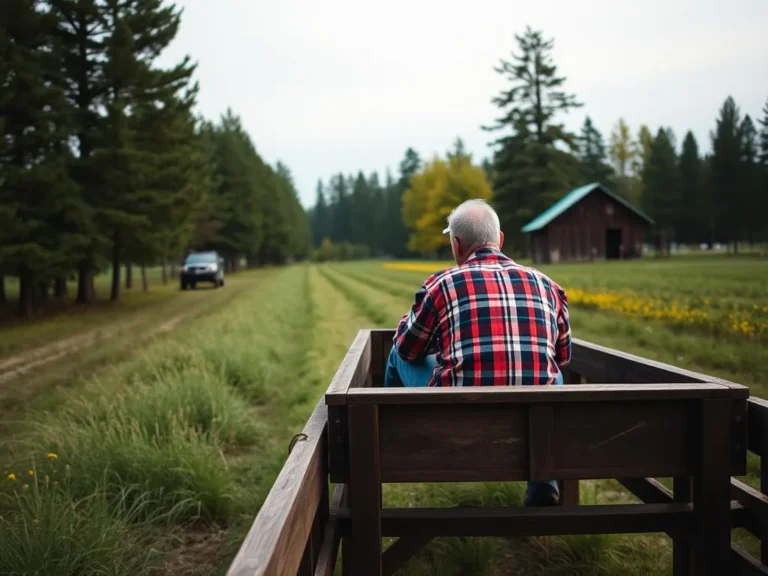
[(176, 435)]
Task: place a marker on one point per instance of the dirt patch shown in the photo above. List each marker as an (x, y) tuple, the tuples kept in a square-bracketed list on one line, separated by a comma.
[(28, 361)]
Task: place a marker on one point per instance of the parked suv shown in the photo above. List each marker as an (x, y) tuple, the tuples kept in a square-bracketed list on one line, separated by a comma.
[(202, 267)]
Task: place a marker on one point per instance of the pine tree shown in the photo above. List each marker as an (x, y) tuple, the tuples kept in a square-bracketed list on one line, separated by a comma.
[(763, 170), (82, 46), (726, 174), (321, 224), (750, 181), (40, 208), (592, 154), (398, 233), (136, 32), (532, 170), (661, 182), (341, 211), (692, 219), (361, 218), (378, 214)]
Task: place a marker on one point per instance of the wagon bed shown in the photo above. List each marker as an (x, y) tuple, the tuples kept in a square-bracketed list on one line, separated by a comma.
[(619, 416)]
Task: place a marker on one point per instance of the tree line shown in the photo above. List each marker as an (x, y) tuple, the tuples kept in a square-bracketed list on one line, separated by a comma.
[(716, 196), (361, 215), (103, 163)]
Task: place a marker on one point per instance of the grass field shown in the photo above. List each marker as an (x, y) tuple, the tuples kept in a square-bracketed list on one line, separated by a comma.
[(150, 447)]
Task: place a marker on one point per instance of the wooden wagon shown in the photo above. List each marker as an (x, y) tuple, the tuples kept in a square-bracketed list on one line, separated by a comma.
[(620, 417)]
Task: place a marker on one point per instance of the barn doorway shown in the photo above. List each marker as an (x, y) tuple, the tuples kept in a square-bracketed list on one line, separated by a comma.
[(613, 244)]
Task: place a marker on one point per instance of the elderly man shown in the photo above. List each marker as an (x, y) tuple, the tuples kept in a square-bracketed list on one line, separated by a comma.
[(488, 321)]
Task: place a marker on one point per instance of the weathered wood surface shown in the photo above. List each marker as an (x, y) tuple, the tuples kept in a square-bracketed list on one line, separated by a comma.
[(276, 541), (326, 559), (365, 490), (498, 442), (353, 370), (529, 394), (563, 520)]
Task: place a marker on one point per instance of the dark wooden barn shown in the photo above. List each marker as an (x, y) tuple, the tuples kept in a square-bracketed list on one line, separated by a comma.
[(588, 223)]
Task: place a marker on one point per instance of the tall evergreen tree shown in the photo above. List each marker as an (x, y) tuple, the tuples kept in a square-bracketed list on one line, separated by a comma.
[(726, 174), (749, 186), (692, 221), (397, 233), (592, 154), (361, 218), (763, 170), (532, 169), (342, 210), (321, 224), (378, 214), (661, 182), (40, 207), (82, 46)]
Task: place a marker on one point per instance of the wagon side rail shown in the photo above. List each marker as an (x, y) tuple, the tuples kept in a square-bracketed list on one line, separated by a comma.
[(292, 533)]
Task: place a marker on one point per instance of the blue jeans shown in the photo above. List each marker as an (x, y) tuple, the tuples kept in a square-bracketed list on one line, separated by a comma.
[(414, 374)]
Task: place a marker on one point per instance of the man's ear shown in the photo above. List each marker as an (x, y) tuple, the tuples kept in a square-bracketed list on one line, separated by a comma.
[(501, 240)]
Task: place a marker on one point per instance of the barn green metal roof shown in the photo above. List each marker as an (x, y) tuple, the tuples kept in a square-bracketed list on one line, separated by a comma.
[(572, 198)]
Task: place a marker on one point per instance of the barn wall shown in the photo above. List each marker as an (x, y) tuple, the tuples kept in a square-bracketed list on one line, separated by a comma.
[(582, 228)]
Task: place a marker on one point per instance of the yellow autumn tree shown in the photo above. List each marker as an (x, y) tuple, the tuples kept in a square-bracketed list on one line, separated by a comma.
[(434, 191)]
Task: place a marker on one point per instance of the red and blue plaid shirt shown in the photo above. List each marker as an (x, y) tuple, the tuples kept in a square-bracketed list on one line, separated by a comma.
[(491, 322)]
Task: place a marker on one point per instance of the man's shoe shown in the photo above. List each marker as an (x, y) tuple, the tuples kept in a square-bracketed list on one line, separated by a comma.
[(542, 495)]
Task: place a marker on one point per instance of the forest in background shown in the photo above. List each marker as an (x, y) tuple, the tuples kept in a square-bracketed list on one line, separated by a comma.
[(695, 194), (103, 163)]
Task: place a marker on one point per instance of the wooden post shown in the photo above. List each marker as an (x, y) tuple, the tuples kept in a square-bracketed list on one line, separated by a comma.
[(711, 491), (569, 489), (764, 489), (365, 490), (681, 545)]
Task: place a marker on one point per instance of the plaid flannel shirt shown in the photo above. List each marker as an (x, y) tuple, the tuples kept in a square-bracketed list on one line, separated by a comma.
[(491, 322)]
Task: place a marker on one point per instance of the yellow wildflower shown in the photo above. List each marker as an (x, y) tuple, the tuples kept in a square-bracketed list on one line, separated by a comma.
[(52, 456), (11, 476), (31, 472)]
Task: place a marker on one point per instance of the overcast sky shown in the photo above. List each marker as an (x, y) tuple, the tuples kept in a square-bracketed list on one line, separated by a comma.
[(343, 85)]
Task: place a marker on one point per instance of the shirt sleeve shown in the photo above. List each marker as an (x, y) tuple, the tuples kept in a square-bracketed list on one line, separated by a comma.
[(415, 336), (563, 345)]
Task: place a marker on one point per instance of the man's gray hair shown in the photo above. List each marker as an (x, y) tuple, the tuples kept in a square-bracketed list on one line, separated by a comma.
[(475, 223)]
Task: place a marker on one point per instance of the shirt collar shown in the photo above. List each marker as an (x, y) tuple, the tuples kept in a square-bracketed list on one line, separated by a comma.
[(487, 254)]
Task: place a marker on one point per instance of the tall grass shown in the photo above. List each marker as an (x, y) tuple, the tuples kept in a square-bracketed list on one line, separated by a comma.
[(46, 529), (183, 433)]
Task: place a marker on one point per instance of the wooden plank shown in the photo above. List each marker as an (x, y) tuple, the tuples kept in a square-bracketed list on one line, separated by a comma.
[(589, 440), (711, 491), (353, 370), (738, 437), (682, 552), (401, 551), (365, 490), (510, 521), (326, 559), (648, 490), (541, 437), (617, 439), (601, 364), (338, 444), (378, 359), (275, 542), (453, 443), (757, 425), (570, 493), (743, 564), (533, 394)]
